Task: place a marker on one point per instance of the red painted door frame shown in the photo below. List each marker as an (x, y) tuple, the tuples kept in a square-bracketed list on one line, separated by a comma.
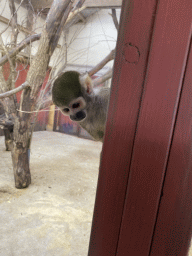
[(173, 225), (144, 199)]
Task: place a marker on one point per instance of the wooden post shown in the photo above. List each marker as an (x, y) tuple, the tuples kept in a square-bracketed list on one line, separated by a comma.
[(51, 118), (144, 194)]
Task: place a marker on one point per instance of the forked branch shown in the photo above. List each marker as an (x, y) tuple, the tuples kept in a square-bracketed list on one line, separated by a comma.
[(14, 91), (103, 78), (101, 64), (115, 21), (19, 48)]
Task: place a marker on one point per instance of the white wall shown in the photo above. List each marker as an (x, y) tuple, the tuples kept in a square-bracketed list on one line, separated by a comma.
[(5, 12), (22, 20), (94, 40), (89, 43)]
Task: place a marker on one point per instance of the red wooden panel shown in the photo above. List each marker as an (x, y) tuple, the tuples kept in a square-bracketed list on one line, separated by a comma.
[(174, 223), (43, 116), (170, 45), (133, 45), (22, 69)]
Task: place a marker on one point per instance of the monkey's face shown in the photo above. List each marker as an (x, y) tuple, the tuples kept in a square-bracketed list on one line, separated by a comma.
[(75, 110), (69, 92)]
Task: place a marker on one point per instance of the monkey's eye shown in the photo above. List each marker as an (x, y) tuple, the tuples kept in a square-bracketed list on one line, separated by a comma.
[(66, 110), (76, 105)]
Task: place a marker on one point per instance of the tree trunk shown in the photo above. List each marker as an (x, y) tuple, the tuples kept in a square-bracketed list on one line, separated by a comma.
[(22, 113), (21, 169), (8, 139), (20, 152)]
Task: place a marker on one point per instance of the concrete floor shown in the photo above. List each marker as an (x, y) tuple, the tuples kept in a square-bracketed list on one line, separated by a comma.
[(53, 216)]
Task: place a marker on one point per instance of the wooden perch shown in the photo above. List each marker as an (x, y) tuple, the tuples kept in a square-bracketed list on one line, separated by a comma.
[(19, 48), (115, 21), (99, 66), (11, 92), (103, 78)]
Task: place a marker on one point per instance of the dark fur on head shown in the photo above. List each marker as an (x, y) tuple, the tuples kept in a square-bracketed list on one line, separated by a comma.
[(66, 87)]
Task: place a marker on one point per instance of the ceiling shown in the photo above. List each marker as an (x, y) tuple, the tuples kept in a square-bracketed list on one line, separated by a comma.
[(88, 3), (92, 6)]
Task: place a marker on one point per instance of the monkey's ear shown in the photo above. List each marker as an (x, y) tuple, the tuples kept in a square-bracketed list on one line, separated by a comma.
[(87, 83)]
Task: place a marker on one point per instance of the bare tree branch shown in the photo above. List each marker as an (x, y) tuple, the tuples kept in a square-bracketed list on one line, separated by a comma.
[(99, 66), (13, 21), (31, 39), (103, 78), (58, 14), (46, 103), (114, 16), (30, 23), (11, 92), (19, 48), (60, 28), (73, 17), (78, 5), (56, 20), (15, 31), (12, 72), (3, 85)]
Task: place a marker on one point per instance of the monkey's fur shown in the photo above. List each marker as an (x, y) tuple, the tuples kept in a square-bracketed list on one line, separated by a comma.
[(75, 96)]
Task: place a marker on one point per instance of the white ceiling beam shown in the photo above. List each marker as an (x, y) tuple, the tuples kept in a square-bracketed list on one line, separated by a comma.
[(88, 3)]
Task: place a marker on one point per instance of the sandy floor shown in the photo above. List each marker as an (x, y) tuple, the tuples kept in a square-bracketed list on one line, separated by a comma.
[(53, 216)]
